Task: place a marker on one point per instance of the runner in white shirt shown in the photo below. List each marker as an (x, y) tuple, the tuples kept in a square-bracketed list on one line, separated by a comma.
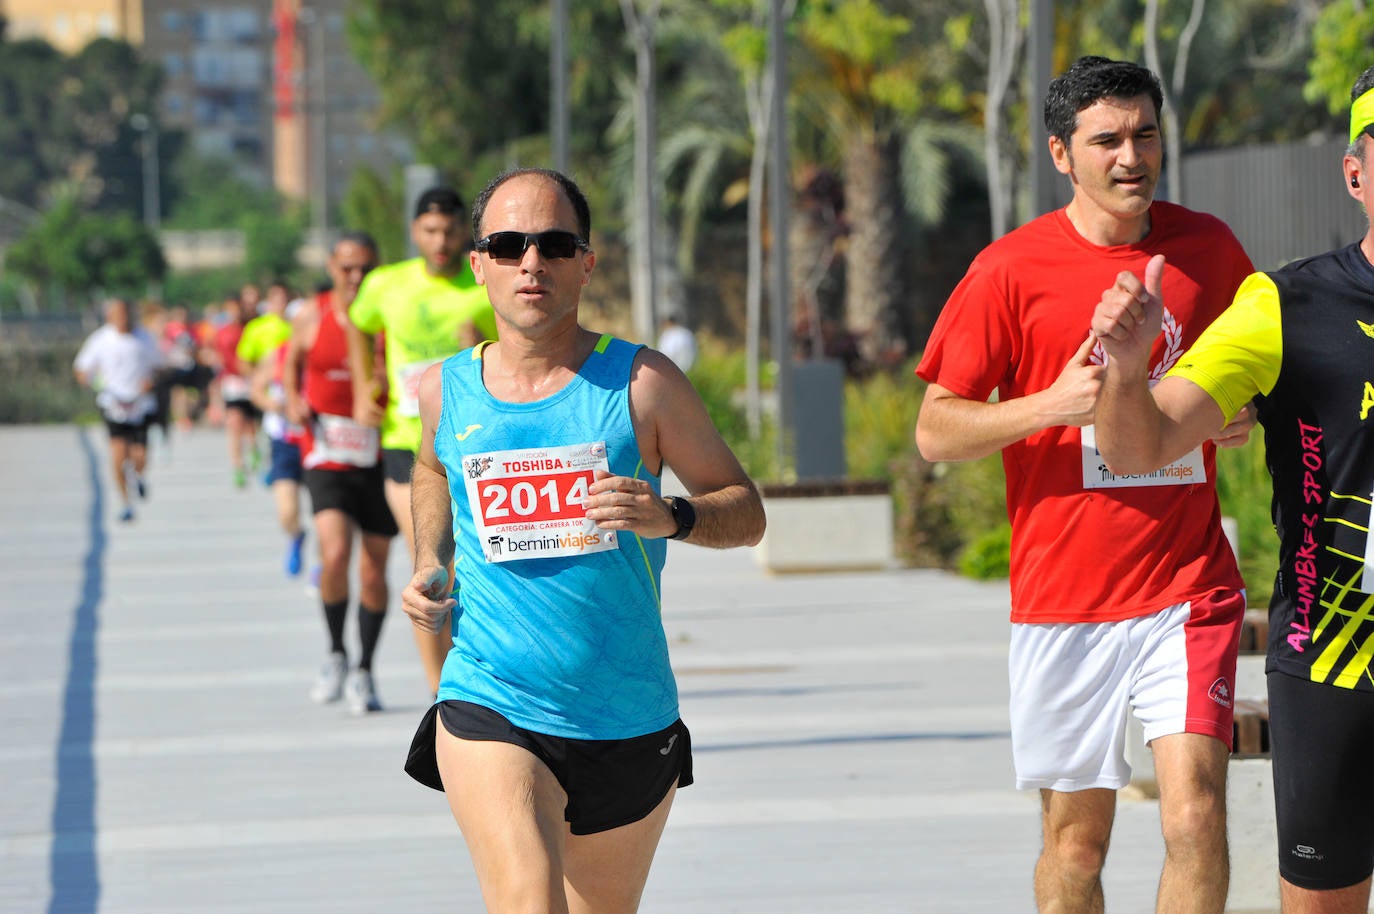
[(119, 362)]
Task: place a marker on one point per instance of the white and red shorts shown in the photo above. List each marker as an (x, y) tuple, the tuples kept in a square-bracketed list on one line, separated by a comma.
[(1072, 685)]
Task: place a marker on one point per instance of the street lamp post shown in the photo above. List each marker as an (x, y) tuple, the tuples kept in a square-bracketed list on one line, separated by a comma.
[(558, 81), (314, 21), (152, 201)]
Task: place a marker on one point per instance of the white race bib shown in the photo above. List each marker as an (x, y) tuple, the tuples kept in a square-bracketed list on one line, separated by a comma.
[(529, 503), (233, 388), (127, 412), (338, 439), (408, 403), (1185, 471)]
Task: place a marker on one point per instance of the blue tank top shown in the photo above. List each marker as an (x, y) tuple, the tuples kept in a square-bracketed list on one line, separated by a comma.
[(560, 627)]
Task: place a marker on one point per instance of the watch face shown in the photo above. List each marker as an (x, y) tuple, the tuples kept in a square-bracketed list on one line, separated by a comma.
[(684, 515)]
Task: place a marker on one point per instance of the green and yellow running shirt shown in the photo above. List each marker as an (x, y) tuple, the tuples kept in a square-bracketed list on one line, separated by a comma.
[(1301, 341), (423, 317), (261, 337)]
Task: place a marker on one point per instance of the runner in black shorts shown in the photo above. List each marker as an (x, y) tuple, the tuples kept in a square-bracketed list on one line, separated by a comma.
[(1322, 740), (134, 433), (1298, 340), (562, 746), (609, 783), (120, 361), (342, 472), (357, 493)]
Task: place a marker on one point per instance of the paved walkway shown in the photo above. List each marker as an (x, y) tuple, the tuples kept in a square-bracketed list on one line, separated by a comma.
[(160, 756)]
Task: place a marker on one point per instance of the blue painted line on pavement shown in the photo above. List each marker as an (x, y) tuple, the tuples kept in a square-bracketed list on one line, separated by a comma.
[(74, 868)]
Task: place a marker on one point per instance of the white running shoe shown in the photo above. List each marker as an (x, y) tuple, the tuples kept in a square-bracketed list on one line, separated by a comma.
[(329, 685), (361, 693)]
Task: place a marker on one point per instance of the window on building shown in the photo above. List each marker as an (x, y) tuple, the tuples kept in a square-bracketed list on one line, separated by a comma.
[(247, 108), (213, 142), (206, 112), (242, 25)]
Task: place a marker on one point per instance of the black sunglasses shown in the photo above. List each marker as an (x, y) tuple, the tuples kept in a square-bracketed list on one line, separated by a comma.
[(554, 244)]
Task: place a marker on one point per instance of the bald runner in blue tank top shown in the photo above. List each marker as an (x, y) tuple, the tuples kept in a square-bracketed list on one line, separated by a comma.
[(570, 645)]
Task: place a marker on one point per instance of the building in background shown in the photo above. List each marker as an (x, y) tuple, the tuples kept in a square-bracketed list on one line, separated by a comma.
[(272, 85), (269, 85), (70, 25)]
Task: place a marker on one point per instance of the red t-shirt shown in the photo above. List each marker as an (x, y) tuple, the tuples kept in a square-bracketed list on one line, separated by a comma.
[(1079, 552), (227, 344), (327, 382), (327, 386)]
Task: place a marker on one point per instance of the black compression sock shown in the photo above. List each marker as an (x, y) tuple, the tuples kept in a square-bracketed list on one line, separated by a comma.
[(334, 615), (369, 633)]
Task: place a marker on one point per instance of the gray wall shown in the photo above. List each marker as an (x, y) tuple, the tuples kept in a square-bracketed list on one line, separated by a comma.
[(1283, 201)]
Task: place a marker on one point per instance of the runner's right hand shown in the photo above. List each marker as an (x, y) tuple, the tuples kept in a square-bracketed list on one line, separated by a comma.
[(426, 598), (366, 410)]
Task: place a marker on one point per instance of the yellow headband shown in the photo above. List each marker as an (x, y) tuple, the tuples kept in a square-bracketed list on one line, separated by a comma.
[(1361, 114)]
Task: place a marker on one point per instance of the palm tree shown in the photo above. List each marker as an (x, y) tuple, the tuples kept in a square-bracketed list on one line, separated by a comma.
[(869, 76)]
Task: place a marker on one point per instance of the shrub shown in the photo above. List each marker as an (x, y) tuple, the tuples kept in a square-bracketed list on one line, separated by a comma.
[(988, 556), (953, 515)]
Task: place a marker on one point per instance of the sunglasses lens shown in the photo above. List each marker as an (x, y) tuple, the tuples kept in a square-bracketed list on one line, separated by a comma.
[(555, 245), (506, 245)]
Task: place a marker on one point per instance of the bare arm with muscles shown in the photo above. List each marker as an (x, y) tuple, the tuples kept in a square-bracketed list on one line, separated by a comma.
[(425, 598), (1139, 429), (673, 428), (951, 427), (366, 410)]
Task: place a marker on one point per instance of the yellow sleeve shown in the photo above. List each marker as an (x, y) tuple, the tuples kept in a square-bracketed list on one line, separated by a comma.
[(1240, 354), (249, 348), (366, 311)]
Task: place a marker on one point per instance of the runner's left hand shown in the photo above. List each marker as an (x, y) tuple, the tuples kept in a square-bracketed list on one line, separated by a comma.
[(1237, 432), (622, 503)]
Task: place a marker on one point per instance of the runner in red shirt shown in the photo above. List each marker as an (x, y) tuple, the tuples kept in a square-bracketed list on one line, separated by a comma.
[(343, 473), (1125, 594)]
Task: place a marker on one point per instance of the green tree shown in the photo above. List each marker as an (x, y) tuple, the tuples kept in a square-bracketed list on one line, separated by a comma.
[(1340, 53), (1246, 63), (377, 206), (72, 253), (270, 244), (29, 152), (866, 76), (106, 84), (206, 192), (444, 66), (65, 120)]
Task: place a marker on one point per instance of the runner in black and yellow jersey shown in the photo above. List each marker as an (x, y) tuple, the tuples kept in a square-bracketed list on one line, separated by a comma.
[(1301, 341), (429, 307)]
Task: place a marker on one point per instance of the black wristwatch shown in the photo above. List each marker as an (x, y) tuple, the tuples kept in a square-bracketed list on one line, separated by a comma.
[(684, 514)]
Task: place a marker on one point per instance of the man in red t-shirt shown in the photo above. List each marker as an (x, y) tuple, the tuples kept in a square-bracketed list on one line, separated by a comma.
[(342, 472), (1125, 592)]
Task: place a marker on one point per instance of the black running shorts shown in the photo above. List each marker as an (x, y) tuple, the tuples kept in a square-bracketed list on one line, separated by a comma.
[(246, 408), (398, 462), (357, 492), (609, 783), (132, 432), (1322, 738)]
